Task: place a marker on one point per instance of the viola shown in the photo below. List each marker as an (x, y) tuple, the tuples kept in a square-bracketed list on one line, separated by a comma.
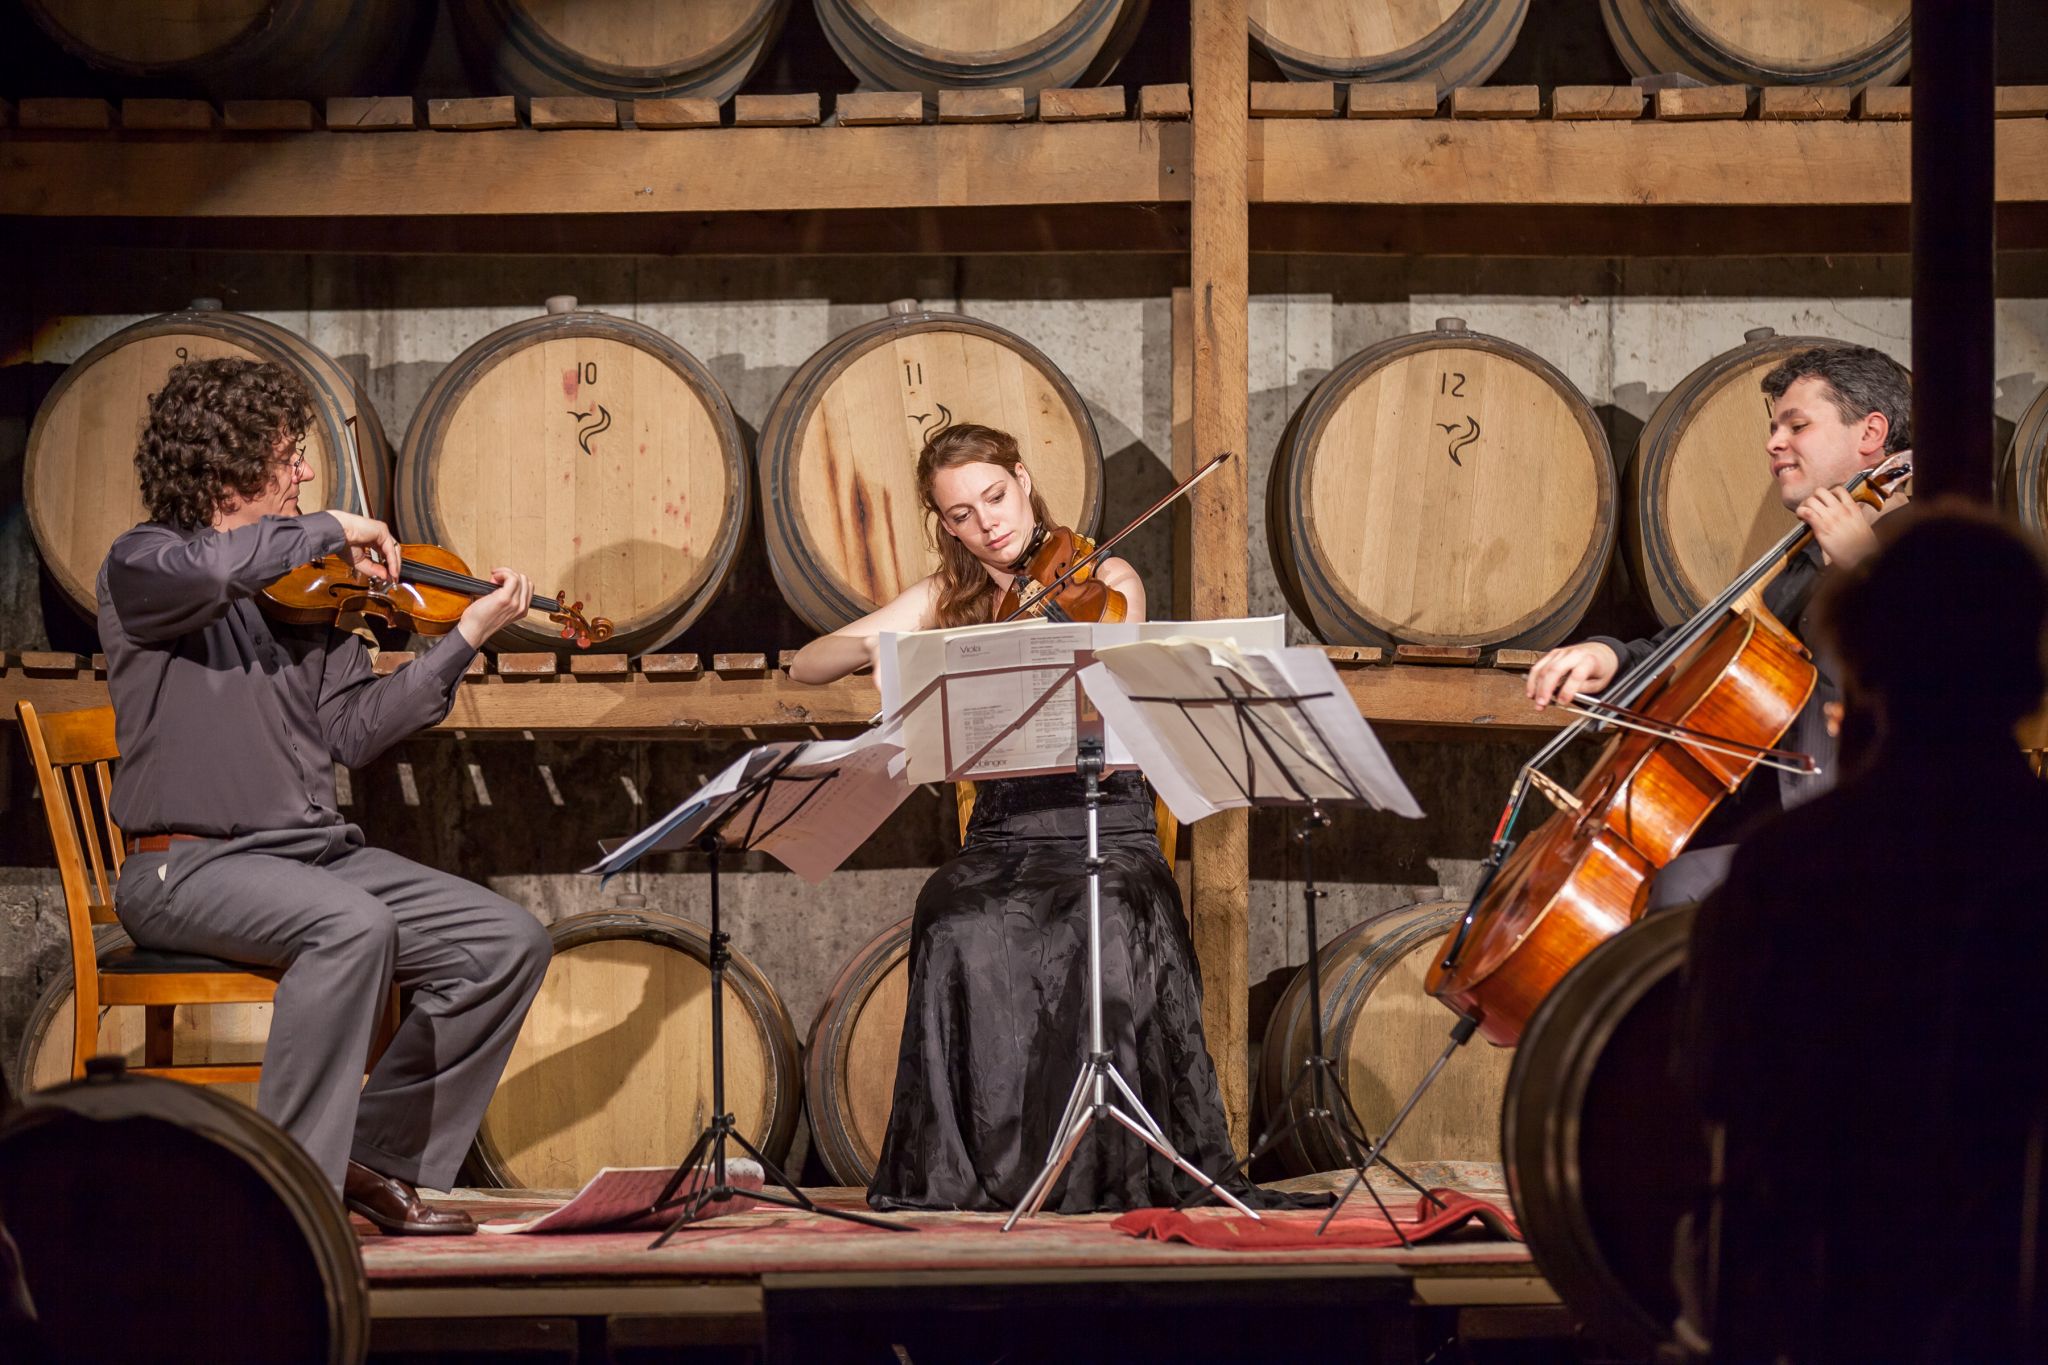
[(1079, 594), (435, 587), (1694, 719), (1058, 583)]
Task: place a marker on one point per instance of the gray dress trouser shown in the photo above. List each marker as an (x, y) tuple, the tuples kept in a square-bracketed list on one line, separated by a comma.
[(345, 921)]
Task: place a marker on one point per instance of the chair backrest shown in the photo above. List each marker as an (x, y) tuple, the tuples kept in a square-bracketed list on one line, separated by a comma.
[(73, 753)]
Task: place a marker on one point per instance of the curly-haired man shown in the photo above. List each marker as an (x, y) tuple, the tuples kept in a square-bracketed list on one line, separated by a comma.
[(1836, 411), (229, 726)]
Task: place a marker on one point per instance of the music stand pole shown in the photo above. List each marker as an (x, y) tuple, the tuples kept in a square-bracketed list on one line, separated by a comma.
[(724, 1128), (1090, 1099)]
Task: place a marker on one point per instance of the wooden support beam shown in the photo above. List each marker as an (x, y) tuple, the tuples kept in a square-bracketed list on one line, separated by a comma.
[(775, 111), (1219, 278), (684, 111), (1706, 102), (1596, 101), (1495, 101), (572, 111), (1844, 164), (61, 114), (1955, 132), (1164, 102), (573, 174), (167, 116), (1399, 99), (1001, 104), (1796, 103), (1885, 102), (1080, 104), (2022, 101), (1293, 99), (268, 116), (870, 108), (473, 115), (373, 114)]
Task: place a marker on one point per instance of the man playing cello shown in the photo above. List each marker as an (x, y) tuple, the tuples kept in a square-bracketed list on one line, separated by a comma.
[(229, 726), (1835, 411)]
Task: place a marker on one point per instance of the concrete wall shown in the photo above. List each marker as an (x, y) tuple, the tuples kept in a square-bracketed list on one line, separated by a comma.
[(523, 816)]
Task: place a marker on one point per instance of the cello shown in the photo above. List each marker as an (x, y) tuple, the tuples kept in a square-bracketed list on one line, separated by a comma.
[(1695, 718)]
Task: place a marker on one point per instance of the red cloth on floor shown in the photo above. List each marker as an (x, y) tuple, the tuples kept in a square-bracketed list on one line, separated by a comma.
[(1359, 1225)]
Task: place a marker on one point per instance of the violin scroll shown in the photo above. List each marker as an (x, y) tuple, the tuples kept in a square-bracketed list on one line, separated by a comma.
[(575, 626)]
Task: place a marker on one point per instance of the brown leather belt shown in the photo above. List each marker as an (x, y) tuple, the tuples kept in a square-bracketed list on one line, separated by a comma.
[(159, 843)]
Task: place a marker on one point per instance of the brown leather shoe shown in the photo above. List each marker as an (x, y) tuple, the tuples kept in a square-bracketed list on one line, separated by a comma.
[(396, 1207)]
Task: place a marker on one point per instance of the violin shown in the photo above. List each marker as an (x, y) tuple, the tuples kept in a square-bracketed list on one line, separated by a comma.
[(1079, 594), (1058, 582), (434, 588), (1695, 718)]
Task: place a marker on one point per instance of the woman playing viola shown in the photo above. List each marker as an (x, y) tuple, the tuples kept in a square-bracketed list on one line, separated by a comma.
[(996, 1020)]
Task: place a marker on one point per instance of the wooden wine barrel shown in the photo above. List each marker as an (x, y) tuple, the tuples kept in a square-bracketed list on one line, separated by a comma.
[(1033, 44), (79, 480), (1446, 488), (1383, 1031), (1702, 506), (1605, 1151), (1450, 42), (845, 528), (850, 1063), (1758, 42), (160, 1222), (591, 452), (240, 49), (224, 1033), (2025, 481), (623, 49), (613, 1063)]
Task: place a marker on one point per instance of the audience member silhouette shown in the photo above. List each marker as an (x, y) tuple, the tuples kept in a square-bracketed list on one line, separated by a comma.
[(1866, 1004)]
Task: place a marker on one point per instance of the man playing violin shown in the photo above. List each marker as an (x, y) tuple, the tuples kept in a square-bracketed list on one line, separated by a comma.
[(229, 725), (1836, 411)]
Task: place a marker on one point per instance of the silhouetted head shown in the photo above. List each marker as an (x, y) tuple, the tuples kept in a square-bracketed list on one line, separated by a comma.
[(1943, 631)]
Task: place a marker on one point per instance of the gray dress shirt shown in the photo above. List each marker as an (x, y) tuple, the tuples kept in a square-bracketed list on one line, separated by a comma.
[(229, 722)]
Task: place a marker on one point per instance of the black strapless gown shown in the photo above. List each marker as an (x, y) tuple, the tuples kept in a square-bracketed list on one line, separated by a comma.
[(996, 1025)]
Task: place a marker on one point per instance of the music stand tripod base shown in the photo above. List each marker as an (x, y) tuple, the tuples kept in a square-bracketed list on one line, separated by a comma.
[(1330, 1103), (723, 1128), (1090, 1099)]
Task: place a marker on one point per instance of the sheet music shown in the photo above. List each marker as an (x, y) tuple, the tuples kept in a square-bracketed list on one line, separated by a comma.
[(994, 674), (1206, 758), (821, 806)]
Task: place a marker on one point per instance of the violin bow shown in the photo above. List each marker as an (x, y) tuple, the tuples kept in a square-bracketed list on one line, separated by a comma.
[(1025, 604)]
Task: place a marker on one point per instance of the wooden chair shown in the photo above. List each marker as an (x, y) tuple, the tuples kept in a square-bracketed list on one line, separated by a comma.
[(73, 753)]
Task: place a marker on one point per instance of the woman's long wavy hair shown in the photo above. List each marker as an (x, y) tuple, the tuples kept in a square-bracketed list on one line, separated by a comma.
[(212, 435), (966, 594)]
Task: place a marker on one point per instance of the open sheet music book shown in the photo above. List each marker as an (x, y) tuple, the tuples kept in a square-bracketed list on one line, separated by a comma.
[(826, 798), (1298, 736), (609, 1197), (1004, 700)]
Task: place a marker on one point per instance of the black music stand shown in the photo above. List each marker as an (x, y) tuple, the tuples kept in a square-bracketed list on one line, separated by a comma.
[(1257, 736), (1092, 1098), (710, 836)]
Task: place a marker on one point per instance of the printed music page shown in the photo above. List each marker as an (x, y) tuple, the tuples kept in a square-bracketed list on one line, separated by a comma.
[(1217, 727), (1002, 700), (820, 806)]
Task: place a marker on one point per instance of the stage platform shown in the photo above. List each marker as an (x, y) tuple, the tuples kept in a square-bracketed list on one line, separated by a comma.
[(770, 1284)]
